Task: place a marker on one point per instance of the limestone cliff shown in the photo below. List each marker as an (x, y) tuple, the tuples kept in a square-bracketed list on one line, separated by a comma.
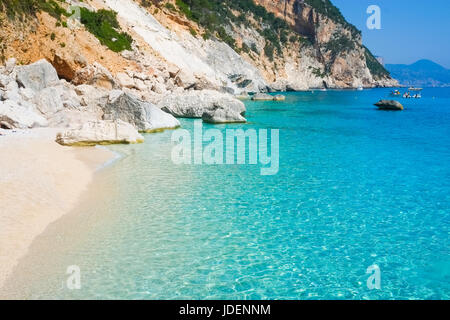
[(160, 46), (334, 43), (294, 44)]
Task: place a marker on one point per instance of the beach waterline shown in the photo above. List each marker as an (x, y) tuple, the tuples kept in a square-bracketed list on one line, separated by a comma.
[(357, 187), (40, 181)]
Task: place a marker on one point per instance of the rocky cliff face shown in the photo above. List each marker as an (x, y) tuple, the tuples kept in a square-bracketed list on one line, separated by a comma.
[(294, 44), (335, 44), (164, 46)]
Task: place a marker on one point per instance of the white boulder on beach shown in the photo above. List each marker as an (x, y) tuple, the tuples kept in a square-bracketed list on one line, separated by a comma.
[(222, 115), (16, 116), (33, 96), (101, 132), (144, 116), (37, 76)]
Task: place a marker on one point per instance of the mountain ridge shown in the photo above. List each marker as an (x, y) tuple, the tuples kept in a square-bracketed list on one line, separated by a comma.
[(424, 73)]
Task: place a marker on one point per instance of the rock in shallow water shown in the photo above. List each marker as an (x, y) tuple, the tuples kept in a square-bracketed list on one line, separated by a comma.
[(262, 97), (389, 105), (193, 104), (221, 115), (268, 97), (101, 132), (279, 97), (243, 96)]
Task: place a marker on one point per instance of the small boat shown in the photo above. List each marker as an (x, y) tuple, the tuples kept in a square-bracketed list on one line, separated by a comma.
[(360, 88), (415, 89), (396, 93), (408, 95), (323, 89)]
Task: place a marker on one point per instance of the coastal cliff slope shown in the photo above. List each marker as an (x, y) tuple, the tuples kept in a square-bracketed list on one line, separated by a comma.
[(332, 50), (230, 46)]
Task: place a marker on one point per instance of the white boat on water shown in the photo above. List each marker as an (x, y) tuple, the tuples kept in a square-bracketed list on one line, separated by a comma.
[(415, 89), (408, 95), (360, 88)]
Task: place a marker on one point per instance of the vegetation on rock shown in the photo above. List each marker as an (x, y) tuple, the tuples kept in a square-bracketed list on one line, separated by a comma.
[(326, 8), (217, 16), (104, 25), (22, 9), (375, 67), (19, 8)]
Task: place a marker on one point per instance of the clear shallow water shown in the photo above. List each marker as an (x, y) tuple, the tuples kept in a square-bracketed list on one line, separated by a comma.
[(356, 187)]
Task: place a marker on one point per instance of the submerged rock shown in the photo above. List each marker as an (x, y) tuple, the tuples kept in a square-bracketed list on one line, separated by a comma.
[(37, 76), (279, 97), (389, 105), (262, 97), (16, 116), (143, 115), (193, 104), (243, 96), (221, 115), (268, 97), (101, 132)]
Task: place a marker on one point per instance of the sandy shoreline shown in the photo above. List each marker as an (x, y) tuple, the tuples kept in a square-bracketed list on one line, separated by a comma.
[(40, 181)]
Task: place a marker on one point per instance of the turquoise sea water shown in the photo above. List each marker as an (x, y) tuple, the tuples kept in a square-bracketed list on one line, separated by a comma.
[(356, 187)]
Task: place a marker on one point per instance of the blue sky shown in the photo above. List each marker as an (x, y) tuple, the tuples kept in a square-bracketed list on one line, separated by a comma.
[(410, 29)]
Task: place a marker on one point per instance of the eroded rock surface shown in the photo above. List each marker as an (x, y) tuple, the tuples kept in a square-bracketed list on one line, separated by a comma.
[(221, 115), (102, 132), (37, 76), (16, 116), (192, 104)]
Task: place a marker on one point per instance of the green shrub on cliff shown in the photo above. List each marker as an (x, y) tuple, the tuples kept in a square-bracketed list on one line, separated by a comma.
[(375, 67), (269, 51), (215, 16), (22, 9), (340, 43), (104, 25), (53, 9), (18, 8), (326, 8)]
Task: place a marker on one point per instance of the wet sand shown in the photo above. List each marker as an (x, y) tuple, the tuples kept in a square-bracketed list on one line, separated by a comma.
[(40, 181)]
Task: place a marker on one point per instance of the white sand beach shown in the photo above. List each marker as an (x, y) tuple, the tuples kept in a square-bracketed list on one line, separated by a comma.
[(40, 181)]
